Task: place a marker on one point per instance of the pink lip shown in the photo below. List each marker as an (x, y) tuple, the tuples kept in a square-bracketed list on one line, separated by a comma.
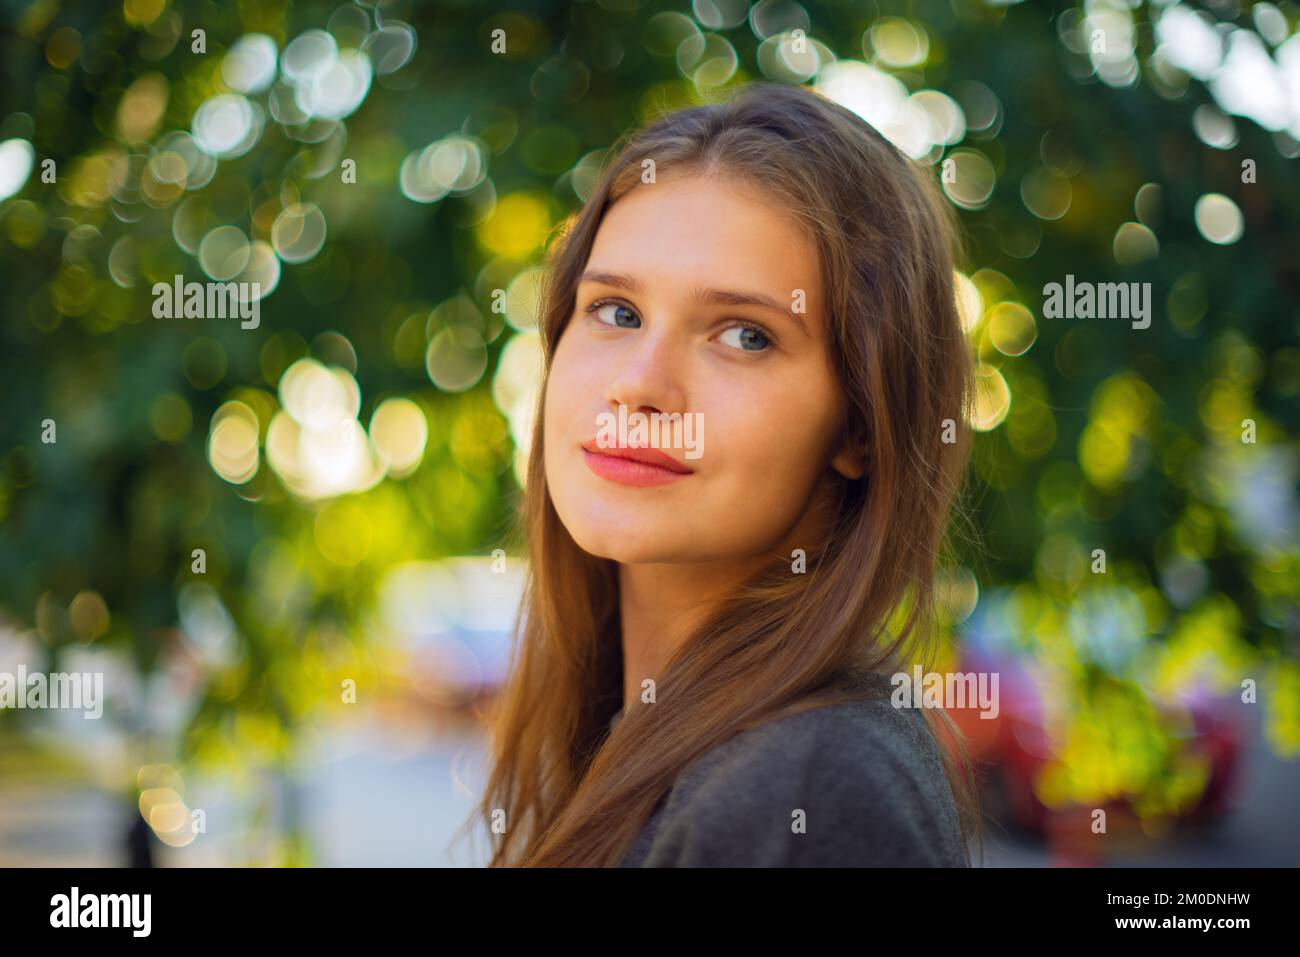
[(632, 466)]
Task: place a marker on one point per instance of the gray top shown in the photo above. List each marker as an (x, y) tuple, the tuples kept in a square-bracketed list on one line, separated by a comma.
[(867, 776)]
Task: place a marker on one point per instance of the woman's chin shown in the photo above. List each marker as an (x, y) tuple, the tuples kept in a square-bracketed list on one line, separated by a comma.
[(631, 545), (631, 552)]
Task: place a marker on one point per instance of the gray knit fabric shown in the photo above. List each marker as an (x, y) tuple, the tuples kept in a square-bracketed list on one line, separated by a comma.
[(867, 777)]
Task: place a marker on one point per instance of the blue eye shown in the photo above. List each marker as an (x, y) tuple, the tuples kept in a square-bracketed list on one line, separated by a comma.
[(746, 338), (623, 317)]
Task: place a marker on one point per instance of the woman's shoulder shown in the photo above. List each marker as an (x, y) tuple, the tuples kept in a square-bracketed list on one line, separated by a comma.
[(859, 783)]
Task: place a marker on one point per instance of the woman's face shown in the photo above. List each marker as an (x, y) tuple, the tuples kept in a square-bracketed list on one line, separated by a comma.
[(663, 323)]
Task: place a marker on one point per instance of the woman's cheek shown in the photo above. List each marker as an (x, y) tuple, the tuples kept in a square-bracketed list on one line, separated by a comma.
[(557, 428), (787, 436), (762, 428), (562, 392)]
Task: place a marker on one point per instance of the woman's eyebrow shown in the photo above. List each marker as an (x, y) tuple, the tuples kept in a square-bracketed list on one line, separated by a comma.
[(720, 297)]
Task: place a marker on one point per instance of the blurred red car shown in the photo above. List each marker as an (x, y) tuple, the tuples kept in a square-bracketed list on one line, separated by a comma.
[(1013, 748)]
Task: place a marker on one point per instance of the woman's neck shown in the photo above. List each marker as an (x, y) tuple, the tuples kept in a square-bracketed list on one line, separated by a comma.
[(660, 606)]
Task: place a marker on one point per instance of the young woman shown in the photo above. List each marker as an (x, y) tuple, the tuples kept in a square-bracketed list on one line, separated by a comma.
[(702, 674)]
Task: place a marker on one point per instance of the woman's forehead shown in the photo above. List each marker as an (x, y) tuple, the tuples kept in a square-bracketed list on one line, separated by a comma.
[(706, 232)]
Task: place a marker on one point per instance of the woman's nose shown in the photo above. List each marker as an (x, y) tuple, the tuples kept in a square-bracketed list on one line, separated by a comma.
[(650, 376)]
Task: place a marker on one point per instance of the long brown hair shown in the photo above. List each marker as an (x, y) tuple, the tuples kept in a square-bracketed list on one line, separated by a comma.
[(569, 791)]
